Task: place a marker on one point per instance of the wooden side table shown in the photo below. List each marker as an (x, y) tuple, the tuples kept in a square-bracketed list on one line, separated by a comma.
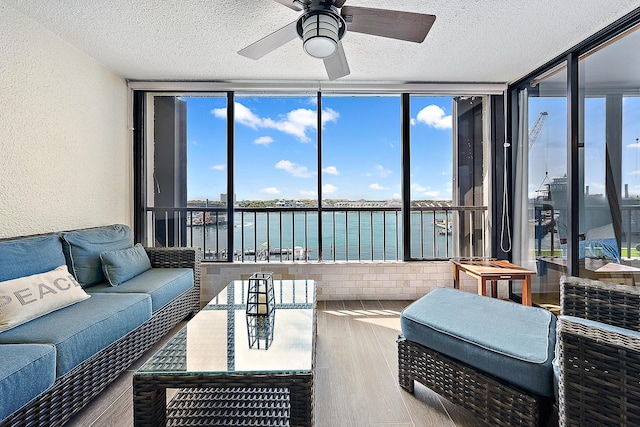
[(492, 271), (617, 273)]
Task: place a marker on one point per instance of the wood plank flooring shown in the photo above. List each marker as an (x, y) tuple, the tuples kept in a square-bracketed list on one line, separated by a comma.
[(356, 377)]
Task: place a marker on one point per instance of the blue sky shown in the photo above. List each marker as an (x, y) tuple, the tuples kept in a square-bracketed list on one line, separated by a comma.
[(276, 147)]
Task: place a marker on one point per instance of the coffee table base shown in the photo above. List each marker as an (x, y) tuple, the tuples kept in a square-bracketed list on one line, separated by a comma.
[(229, 407), (283, 400)]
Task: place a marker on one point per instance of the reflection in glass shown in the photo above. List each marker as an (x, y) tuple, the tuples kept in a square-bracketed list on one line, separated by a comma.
[(610, 128), (260, 330), (541, 188)]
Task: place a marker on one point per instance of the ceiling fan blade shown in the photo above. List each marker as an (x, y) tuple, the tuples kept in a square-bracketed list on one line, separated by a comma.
[(337, 65), (394, 24), (339, 3), (294, 4), (271, 42)]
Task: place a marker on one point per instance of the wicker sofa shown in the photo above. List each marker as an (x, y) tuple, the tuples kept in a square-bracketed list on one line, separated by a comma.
[(56, 363), (599, 353)]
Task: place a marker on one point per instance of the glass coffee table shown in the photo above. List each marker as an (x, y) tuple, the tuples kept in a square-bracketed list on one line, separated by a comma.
[(234, 369)]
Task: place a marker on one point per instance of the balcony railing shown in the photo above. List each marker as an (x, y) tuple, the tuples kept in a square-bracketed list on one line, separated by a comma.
[(344, 234)]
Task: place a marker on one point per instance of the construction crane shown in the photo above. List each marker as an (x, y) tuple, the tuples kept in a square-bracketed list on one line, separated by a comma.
[(537, 128)]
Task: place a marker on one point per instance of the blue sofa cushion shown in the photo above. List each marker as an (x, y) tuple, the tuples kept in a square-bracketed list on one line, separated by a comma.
[(510, 341), (82, 249), (81, 330), (30, 255), (120, 266), (163, 284), (26, 371)]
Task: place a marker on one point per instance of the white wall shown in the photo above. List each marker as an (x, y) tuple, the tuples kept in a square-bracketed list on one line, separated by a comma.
[(347, 280), (65, 150)]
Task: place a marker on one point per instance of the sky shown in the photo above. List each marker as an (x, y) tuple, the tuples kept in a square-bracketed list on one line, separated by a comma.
[(276, 143), (548, 154)]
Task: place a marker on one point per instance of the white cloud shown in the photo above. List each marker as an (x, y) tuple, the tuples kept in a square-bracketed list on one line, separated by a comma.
[(308, 193), (195, 143), (294, 169), (418, 188), (376, 186), (218, 167), (331, 170), (634, 145), (426, 192), (382, 172), (296, 122), (270, 190), (263, 140), (433, 116), (329, 189)]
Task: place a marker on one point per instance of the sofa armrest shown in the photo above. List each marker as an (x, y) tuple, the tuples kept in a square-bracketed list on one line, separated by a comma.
[(613, 304), (177, 258), (599, 368)]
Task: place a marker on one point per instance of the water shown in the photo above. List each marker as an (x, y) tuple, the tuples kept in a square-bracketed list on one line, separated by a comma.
[(364, 236)]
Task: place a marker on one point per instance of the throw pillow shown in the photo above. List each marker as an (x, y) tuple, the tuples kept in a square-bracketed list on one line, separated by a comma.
[(83, 247), (120, 266), (30, 297)]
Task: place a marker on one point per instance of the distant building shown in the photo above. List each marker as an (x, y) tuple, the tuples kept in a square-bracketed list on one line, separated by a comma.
[(289, 204)]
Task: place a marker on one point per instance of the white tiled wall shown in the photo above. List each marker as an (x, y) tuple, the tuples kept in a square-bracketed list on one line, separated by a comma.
[(345, 281)]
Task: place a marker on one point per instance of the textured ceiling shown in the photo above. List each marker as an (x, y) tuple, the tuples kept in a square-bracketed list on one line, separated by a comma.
[(471, 40)]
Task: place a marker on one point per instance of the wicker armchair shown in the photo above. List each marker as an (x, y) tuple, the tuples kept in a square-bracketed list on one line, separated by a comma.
[(599, 353)]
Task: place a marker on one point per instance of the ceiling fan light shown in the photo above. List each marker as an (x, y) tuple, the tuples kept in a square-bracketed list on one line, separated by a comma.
[(320, 35)]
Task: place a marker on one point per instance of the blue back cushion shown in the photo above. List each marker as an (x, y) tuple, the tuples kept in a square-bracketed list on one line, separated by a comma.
[(82, 249), (30, 255)]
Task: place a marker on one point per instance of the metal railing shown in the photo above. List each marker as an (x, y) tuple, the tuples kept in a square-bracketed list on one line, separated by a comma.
[(343, 234)]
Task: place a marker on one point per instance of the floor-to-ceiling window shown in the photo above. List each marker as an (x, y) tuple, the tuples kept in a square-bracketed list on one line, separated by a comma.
[(576, 177), (540, 234), (186, 169), (275, 176), (262, 176), (361, 177), (431, 185), (609, 79)]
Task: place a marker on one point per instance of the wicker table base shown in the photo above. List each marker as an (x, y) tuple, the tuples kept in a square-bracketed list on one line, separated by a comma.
[(149, 398), (229, 407)]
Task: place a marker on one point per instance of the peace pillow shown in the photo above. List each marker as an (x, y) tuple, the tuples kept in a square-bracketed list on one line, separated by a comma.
[(29, 297), (121, 265)]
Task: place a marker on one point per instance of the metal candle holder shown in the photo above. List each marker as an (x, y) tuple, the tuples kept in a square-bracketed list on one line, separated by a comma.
[(261, 299)]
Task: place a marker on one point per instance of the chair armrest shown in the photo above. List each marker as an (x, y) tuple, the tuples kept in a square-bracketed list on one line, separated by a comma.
[(613, 304), (599, 369), (177, 258)]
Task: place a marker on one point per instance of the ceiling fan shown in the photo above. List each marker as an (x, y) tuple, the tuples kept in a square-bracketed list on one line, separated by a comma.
[(323, 24)]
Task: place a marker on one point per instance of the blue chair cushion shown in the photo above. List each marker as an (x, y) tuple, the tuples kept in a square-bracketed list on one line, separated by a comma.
[(163, 284), (121, 265), (26, 371), (82, 250), (30, 255), (512, 342), (81, 330)]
